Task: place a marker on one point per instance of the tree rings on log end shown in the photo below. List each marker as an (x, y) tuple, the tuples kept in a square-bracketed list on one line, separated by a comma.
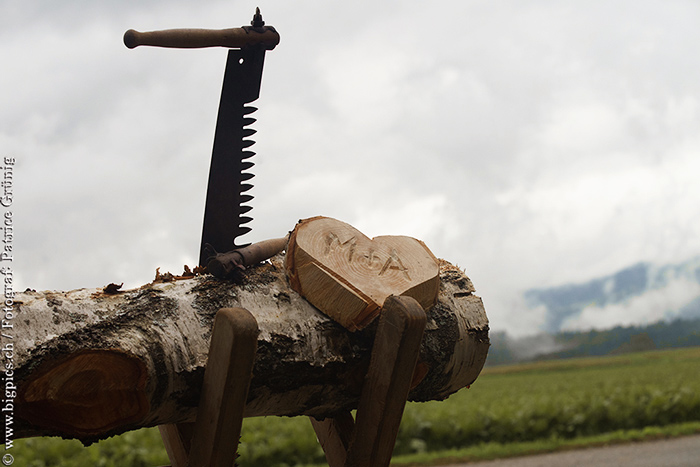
[(86, 393)]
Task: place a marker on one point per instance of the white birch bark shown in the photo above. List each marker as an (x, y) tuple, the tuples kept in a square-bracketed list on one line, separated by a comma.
[(89, 365)]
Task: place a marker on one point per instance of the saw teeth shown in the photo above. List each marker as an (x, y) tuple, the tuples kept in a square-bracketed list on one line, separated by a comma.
[(245, 165)]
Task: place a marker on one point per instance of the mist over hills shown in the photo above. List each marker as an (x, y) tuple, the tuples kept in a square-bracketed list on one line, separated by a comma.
[(640, 294), (641, 307)]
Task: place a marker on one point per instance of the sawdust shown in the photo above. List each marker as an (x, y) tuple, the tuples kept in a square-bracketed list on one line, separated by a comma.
[(187, 274)]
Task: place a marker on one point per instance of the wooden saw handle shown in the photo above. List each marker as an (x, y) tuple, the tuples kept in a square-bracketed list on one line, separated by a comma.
[(236, 38)]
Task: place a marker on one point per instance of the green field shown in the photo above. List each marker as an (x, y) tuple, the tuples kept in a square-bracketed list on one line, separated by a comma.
[(510, 409)]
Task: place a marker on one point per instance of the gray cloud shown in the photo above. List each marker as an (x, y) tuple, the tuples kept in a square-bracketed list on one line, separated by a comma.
[(533, 144)]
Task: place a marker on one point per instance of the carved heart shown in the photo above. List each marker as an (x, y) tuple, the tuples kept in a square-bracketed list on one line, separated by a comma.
[(348, 276)]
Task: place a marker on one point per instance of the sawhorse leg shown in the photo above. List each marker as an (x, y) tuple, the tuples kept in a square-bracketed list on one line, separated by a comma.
[(369, 440), (212, 441)]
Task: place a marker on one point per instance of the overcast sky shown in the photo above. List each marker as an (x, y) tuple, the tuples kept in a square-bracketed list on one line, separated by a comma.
[(532, 143)]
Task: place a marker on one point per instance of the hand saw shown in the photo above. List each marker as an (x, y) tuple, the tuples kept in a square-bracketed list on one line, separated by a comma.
[(225, 209)]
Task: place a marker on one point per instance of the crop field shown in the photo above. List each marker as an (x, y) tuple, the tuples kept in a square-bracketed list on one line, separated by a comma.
[(555, 400)]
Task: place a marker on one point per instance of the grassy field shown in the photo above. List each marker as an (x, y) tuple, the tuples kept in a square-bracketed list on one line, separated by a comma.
[(509, 410)]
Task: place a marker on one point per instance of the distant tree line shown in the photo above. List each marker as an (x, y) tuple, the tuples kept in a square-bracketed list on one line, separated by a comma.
[(621, 339)]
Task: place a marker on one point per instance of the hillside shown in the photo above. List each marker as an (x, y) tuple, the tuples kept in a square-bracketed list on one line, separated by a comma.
[(640, 294), (640, 307)]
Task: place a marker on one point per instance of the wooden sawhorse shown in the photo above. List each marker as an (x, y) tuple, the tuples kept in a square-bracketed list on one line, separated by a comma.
[(367, 441)]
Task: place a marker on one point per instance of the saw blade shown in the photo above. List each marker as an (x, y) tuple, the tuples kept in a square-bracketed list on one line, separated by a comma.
[(226, 191)]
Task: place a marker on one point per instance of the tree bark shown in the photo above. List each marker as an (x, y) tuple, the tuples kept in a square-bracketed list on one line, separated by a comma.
[(90, 364)]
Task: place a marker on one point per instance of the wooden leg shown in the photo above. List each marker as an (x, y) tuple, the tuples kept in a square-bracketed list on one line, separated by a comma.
[(387, 383), (212, 441), (334, 435), (177, 439), (225, 389)]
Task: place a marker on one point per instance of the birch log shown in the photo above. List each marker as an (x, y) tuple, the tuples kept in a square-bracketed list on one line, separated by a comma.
[(90, 364)]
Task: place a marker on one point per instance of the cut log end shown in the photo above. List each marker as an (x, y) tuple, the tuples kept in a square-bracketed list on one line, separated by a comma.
[(86, 393)]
